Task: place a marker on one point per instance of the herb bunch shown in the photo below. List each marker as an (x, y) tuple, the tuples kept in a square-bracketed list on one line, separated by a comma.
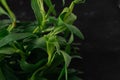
[(39, 50)]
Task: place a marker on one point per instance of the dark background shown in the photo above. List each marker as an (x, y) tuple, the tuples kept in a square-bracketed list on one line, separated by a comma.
[(99, 20)]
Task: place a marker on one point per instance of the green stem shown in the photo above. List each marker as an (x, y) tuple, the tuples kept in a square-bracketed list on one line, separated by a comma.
[(11, 26), (21, 53), (11, 15), (41, 68), (36, 29), (64, 71)]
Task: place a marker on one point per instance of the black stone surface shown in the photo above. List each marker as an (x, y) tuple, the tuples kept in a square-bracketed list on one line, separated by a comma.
[(99, 20)]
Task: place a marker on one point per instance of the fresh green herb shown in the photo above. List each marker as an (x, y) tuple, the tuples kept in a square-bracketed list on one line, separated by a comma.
[(41, 50)]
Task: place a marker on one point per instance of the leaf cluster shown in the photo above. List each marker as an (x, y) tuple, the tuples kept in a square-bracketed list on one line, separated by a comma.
[(38, 50)]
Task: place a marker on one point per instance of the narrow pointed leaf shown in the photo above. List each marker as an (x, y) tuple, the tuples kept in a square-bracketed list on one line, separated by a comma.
[(2, 11), (4, 23), (61, 73), (59, 29), (75, 30), (13, 37), (79, 1), (27, 67), (66, 57), (37, 6), (71, 39), (7, 50), (10, 13), (49, 4), (50, 10)]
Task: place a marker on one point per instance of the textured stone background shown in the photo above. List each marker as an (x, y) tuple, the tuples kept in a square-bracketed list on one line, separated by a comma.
[(99, 20)]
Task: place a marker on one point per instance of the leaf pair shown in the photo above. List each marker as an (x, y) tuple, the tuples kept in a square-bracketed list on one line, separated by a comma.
[(66, 19), (40, 13)]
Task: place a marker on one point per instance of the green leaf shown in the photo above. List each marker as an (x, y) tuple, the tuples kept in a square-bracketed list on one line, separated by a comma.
[(68, 48), (71, 39), (2, 77), (4, 23), (70, 19), (52, 45), (67, 60), (79, 1), (40, 43), (7, 50), (67, 17), (13, 37), (61, 73), (59, 29), (50, 51), (27, 67), (61, 40), (50, 5), (10, 13), (66, 57), (50, 10), (25, 26), (48, 29), (38, 8), (77, 56), (52, 20), (75, 30), (2, 11), (62, 16)]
